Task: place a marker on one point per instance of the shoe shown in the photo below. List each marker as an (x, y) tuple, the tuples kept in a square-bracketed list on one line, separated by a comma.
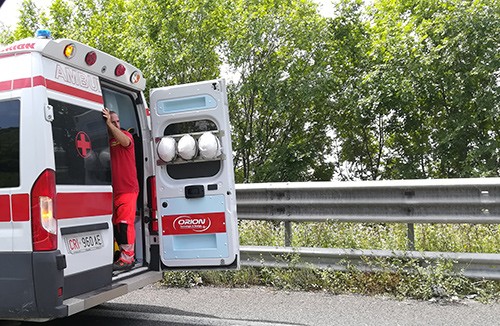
[(121, 265)]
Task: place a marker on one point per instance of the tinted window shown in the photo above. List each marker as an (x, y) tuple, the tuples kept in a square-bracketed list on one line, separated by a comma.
[(80, 145), (124, 106), (189, 127), (9, 143)]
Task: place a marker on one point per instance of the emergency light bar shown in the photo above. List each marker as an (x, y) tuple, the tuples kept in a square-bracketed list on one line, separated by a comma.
[(43, 33), (80, 56)]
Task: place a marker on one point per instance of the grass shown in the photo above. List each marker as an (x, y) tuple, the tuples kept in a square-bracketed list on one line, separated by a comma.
[(388, 236), (397, 277)]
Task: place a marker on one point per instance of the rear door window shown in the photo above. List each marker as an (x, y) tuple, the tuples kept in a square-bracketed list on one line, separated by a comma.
[(191, 170), (80, 145), (9, 143)]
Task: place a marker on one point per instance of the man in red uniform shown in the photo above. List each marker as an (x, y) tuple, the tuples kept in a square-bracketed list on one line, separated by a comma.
[(125, 188)]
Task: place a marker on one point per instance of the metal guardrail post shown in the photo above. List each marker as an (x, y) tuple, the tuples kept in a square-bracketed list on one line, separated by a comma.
[(409, 195), (411, 237), (288, 234)]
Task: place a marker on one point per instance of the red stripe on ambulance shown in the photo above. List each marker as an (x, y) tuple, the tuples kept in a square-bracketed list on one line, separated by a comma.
[(4, 208), (20, 207), (21, 83), (6, 55), (10, 85), (193, 223), (20, 204), (22, 46), (38, 81), (73, 91), (6, 85), (73, 205)]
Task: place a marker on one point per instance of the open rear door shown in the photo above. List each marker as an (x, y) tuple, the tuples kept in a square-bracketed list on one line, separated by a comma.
[(194, 176)]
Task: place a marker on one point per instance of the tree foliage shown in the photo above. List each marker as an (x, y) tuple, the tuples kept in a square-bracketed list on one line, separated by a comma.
[(386, 90), (424, 100), (276, 106)]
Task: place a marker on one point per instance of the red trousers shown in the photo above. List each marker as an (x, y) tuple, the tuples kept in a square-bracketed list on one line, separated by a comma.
[(124, 209)]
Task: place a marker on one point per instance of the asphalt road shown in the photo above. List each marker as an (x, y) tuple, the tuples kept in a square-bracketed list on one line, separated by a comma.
[(257, 306)]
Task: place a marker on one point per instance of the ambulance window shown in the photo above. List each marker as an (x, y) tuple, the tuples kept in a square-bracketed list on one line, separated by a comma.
[(9, 143), (201, 169), (124, 106), (80, 145), (189, 127)]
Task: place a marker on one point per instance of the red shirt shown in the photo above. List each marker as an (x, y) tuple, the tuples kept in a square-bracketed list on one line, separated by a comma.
[(123, 170)]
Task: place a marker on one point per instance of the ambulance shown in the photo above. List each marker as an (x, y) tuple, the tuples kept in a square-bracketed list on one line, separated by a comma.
[(56, 235)]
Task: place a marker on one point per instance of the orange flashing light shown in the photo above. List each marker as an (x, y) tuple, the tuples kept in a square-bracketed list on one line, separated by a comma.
[(69, 50)]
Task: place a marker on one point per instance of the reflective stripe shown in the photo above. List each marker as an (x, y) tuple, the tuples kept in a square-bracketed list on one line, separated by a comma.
[(68, 205), (38, 81), (20, 207), (73, 205), (20, 204), (4, 208), (73, 91), (9, 85), (21, 83)]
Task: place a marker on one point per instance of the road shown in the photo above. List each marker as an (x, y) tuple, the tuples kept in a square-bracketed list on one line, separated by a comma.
[(258, 306)]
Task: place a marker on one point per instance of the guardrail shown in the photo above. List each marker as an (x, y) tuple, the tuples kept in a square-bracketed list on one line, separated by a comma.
[(443, 201)]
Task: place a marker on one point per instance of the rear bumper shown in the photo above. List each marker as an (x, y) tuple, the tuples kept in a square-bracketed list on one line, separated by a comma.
[(31, 285), (122, 284)]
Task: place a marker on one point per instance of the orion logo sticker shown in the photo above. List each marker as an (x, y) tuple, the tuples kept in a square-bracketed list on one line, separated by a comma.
[(196, 223), (185, 222)]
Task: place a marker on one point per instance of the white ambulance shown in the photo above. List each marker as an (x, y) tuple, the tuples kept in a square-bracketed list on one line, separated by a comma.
[(56, 236)]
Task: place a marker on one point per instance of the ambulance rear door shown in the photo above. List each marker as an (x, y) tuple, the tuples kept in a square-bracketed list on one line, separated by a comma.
[(195, 191)]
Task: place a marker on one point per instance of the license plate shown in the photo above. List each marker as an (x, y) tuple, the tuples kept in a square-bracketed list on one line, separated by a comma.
[(84, 242)]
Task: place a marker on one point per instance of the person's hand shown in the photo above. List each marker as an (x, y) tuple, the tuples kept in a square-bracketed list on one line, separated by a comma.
[(106, 115)]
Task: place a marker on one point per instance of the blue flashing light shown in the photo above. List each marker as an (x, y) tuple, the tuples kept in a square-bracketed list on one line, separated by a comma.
[(43, 33)]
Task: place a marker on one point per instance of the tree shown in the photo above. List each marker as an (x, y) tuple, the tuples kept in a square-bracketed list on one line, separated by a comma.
[(358, 120), (423, 101), (177, 41), (391, 90), (276, 102), (30, 19)]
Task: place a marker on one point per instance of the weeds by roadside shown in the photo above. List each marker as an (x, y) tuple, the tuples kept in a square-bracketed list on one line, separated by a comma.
[(408, 281), (401, 278)]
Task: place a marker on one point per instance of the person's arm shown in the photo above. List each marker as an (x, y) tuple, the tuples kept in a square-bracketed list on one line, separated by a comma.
[(115, 131)]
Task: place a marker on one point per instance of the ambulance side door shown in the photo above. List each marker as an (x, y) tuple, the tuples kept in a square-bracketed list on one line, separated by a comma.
[(195, 188)]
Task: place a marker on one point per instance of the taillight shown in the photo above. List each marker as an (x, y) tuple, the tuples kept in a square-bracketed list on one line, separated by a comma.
[(43, 221), (120, 70), (90, 58), (152, 203), (135, 77)]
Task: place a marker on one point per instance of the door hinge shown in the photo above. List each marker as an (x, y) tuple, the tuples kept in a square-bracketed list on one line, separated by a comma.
[(49, 113)]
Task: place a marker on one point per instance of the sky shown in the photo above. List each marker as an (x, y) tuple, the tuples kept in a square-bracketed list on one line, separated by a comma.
[(9, 12)]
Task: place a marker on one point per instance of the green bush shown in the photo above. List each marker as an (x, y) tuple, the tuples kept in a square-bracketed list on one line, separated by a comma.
[(421, 283), (401, 278)]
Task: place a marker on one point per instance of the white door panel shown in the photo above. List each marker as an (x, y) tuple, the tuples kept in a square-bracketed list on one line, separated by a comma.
[(194, 176)]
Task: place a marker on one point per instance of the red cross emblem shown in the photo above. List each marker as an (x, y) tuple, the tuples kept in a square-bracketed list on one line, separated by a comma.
[(83, 145)]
